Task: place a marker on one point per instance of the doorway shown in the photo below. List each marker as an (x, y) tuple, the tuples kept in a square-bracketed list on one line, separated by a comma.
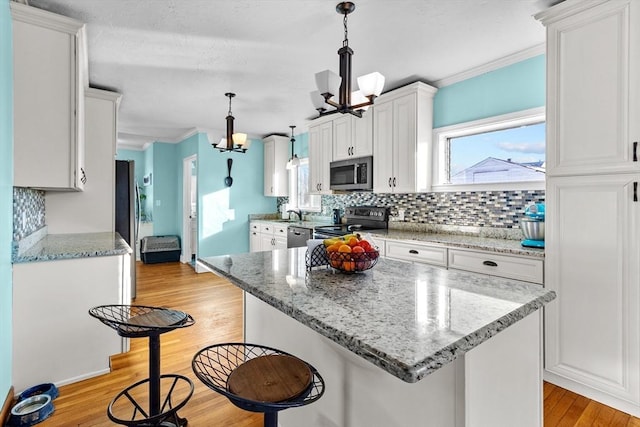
[(189, 210)]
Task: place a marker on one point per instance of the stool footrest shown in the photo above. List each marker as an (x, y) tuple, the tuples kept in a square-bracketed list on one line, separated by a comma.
[(128, 407)]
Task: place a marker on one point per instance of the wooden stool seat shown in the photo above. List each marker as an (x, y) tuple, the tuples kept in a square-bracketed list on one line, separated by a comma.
[(270, 378)]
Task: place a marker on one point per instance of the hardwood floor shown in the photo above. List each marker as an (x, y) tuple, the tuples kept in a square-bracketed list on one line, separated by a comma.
[(216, 306)]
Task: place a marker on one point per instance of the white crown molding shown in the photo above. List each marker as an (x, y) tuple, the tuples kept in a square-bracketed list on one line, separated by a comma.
[(492, 66)]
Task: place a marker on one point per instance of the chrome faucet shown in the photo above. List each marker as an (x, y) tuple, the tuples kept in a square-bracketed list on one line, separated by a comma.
[(297, 212)]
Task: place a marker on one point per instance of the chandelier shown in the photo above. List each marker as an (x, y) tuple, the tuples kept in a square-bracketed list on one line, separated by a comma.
[(233, 141), (329, 84), (294, 160)]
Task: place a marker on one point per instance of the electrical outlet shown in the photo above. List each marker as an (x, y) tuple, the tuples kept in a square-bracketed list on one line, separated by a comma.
[(401, 214), (158, 203)]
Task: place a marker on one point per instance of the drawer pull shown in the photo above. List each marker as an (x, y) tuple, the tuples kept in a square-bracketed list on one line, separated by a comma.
[(490, 263), (413, 251), (635, 151)]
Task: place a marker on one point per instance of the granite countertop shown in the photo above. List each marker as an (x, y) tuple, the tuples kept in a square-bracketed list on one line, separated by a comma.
[(77, 245), (409, 319), (498, 245)]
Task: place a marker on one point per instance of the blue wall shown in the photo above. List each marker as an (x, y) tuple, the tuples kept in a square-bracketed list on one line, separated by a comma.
[(6, 195), (516, 87), (223, 212)]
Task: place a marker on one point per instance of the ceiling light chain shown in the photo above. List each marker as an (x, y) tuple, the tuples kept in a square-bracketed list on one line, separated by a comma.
[(345, 42), (329, 84)]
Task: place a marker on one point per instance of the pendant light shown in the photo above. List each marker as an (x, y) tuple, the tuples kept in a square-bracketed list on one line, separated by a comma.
[(294, 160), (237, 142), (329, 84)]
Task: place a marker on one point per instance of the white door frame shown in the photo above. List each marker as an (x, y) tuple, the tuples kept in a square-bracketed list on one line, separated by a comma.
[(185, 256)]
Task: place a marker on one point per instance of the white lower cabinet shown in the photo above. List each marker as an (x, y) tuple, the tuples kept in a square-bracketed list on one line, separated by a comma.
[(54, 337), (267, 236), (417, 252), (509, 266), (592, 329)]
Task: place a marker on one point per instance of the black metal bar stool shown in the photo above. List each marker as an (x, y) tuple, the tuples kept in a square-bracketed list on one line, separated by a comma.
[(258, 378), (136, 321)]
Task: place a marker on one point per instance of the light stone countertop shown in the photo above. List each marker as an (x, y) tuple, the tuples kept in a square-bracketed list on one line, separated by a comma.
[(409, 319), (74, 245)]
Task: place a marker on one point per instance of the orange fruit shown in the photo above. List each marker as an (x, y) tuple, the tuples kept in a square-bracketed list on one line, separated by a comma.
[(334, 247), (357, 249), (352, 241), (348, 265), (344, 248)]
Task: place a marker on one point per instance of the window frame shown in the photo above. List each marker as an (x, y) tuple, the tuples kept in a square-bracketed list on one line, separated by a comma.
[(293, 190), (442, 135)]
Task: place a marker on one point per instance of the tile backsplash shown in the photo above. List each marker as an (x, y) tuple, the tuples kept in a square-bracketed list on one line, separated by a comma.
[(28, 212), (498, 209)]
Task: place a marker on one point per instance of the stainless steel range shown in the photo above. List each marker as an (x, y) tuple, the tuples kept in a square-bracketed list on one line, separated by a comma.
[(358, 218)]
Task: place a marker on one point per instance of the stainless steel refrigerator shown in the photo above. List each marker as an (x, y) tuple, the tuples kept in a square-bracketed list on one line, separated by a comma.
[(127, 201)]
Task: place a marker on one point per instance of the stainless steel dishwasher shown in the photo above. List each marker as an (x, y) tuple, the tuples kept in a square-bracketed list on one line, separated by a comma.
[(298, 236)]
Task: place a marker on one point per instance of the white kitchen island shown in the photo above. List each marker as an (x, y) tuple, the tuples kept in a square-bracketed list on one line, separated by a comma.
[(399, 345)]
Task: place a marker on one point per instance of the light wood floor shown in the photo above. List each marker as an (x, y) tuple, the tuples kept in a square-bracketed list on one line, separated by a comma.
[(216, 306)]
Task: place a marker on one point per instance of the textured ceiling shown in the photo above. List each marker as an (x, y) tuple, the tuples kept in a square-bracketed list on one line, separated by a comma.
[(173, 60)]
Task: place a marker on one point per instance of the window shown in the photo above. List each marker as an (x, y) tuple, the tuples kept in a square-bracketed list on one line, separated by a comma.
[(299, 197), (503, 152)]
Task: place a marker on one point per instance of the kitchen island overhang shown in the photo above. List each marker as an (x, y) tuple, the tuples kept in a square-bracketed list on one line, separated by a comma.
[(411, 321)]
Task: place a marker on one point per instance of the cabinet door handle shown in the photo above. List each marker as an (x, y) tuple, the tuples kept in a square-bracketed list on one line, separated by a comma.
[(490, 263), (635, 191), (389, 182), (635, 151), (83, 178), (413, 251), (394, 181)]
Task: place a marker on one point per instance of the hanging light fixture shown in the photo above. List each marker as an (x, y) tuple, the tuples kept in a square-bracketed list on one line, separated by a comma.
[(329, 84), (294, 160), (233, 141)]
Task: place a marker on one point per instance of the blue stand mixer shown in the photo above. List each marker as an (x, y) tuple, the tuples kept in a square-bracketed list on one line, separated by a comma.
[(532, 225)]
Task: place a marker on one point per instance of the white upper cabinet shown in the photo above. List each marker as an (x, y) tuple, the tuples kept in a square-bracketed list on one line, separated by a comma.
[(593, 89), (352, 136), (402, 132), (93, 209), (320, 154), (50, 75), (275, 166)]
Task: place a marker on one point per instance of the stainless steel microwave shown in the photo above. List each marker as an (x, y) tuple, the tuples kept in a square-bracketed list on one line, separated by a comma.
[(352, 174)]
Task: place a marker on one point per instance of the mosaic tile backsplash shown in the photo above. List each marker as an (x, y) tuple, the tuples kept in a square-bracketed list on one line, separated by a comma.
[(499, 209), (28, 212)]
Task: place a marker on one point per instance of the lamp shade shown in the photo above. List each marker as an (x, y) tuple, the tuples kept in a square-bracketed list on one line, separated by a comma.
[(222, 143), (317, 99), (328, 82), (358, 98), (240, 139), (371, 84), (293, 162)]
